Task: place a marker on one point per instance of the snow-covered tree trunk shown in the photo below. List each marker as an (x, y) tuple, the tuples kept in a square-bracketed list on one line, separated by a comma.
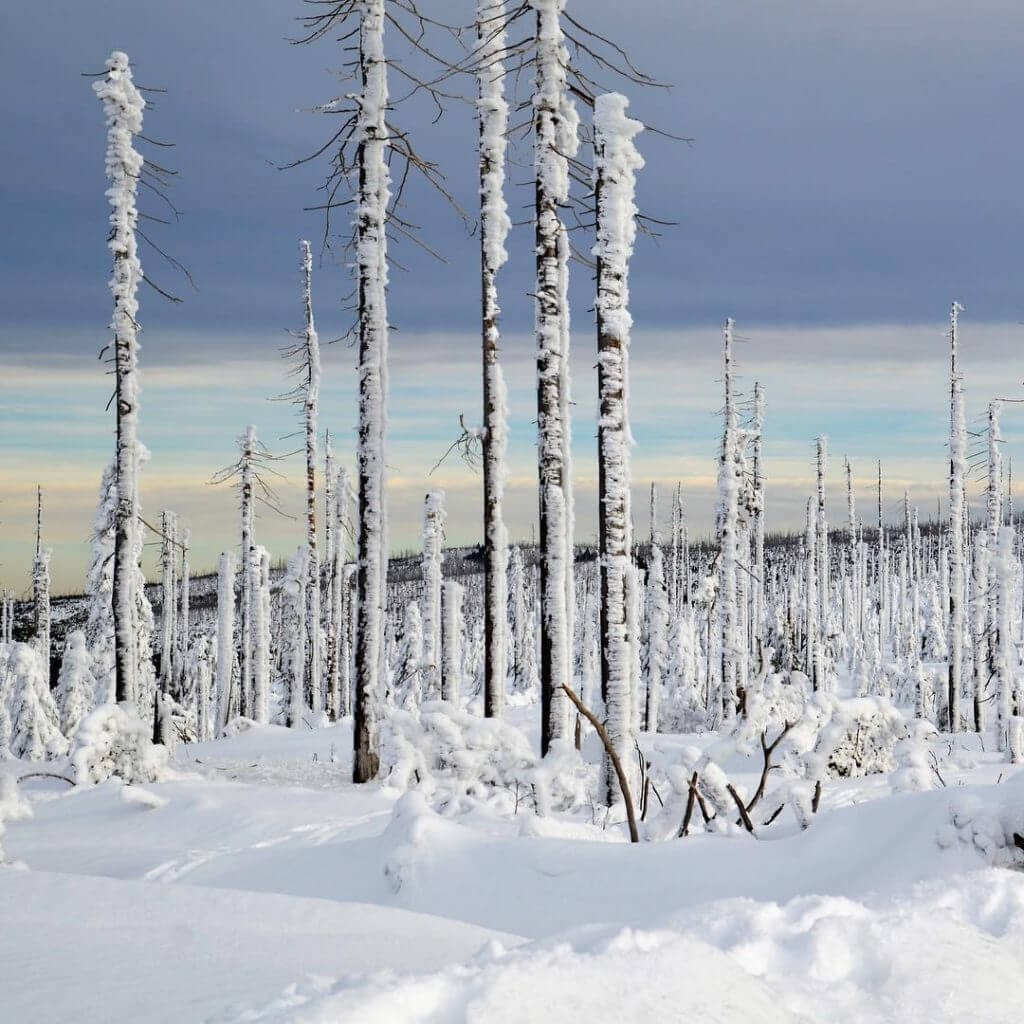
[(225, 640), (1004, 571), (811, 620), (181, 653), (247, 444), (168, 598), (494, 227), (729, 481), (294, 613), (957, 471), (555, 143), (341, 679), (980, 604), (616, 162), (759, 583), (434, 519), (331, 582), (371, 214), (259, 589), (657, 609), (451, 641), (311, 405), (123, 106), (822, 558)]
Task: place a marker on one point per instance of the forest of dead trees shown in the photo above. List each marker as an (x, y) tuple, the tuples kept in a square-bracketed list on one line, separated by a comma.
[(753, 633)]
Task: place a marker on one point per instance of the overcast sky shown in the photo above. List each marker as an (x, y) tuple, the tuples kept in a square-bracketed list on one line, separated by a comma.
[(854, 167)]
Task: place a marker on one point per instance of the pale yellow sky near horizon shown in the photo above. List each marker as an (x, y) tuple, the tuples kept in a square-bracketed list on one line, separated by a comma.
[(877, 392)]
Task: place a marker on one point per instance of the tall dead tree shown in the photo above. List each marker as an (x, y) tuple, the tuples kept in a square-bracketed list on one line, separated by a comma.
[(123, 106), (616, 162), (556, 141), (957, 471), (491, 37)]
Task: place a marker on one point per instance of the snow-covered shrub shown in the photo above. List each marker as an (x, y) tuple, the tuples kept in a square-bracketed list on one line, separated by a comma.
[(113, 742), (994, 827), (460, 761), (35, 724)]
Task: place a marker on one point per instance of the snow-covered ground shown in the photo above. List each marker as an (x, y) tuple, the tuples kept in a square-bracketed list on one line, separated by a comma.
[(260, 884)]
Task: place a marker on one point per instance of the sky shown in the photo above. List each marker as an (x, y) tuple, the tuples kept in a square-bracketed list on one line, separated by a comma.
[(853, 168)]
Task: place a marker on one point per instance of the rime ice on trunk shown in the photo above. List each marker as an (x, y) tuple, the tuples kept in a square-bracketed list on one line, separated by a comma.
[(433, 550), (123, 106), (729, 481), (757, 527), (555, 143), (293, 635), (616, 162), (1004, 570), (822, 563), (980, 604), (181, 652), (372, 274), (259, 588), (311, 404), (247, 446), (168, 617), (494, 228), (340, 679), (957, 470), (225, 687), (451, 641)]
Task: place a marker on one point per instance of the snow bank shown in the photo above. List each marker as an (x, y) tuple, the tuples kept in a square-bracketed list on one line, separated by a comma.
[(813, 959)]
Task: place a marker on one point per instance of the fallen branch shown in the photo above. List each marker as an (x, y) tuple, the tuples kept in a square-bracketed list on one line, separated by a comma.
[(620, 772), (47, 775), (744, 817)]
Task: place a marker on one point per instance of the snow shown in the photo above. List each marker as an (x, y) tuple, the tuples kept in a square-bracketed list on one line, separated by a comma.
[(259, 884)]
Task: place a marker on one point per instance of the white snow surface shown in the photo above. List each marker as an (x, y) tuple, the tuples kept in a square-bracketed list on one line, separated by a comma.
[(259, 884)]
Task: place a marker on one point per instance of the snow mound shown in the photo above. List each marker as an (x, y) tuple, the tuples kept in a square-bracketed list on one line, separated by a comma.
[(990, 821), (813, 959)]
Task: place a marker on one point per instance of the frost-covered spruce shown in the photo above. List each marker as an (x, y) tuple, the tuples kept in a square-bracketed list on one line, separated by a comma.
[(99, 630), (340, 643), (41, 607), (451, 641), (616, 162), (168, 610), (409, 663), (957, 472), (76, 688), (35, 723), (656, 654), (434, 520), (495, 224), (556, 142), (227, 701), (123, 107)]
